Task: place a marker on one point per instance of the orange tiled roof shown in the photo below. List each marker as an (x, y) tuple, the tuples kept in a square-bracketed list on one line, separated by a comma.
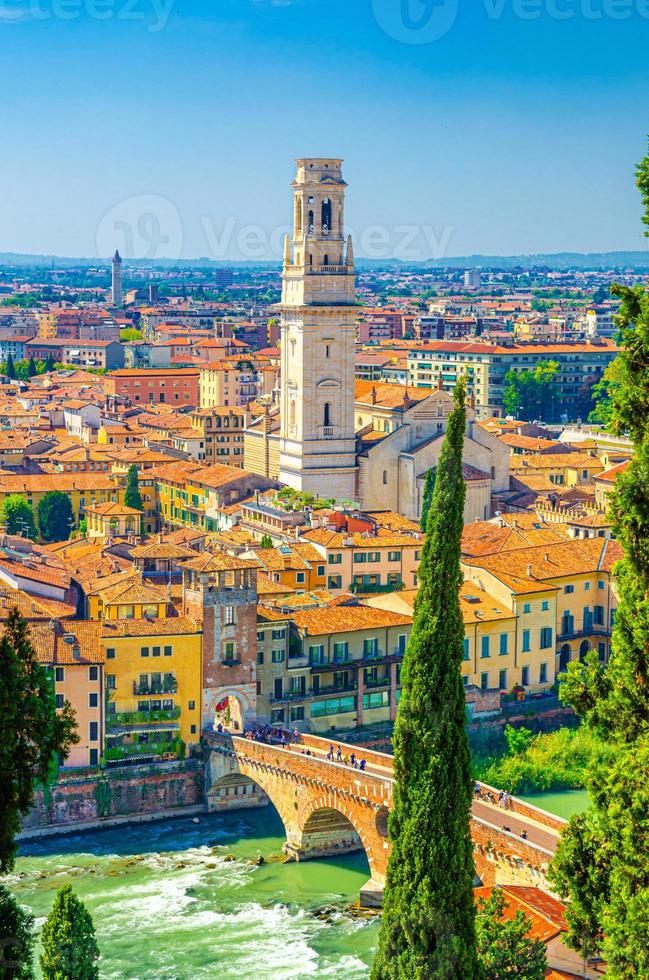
[(346, 619)]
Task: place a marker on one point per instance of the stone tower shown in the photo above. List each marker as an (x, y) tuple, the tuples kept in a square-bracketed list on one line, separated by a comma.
[(117, 295), (221, 592), (318, 325)]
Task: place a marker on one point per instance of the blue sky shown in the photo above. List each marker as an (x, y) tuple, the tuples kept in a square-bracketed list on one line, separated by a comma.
[(169, 127)]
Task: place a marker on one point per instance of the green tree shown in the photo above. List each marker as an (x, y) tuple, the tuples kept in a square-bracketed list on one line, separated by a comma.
[(132, 496), (55, 517), (532, 394), (33, 733), (603, 390), (266, 541), (70, 950), (503, 946), (518, 739), (10, 370), (427, 499), (49, 364), (31, 368), (17, 516), (602, 859), (16, 939), (428, 922), (129, 334)]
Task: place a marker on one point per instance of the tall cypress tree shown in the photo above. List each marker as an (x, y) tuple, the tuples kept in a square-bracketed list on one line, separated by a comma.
[(16, 939), (11, 370), (428, 924), (602, 861), (132, 495), (429, 487)]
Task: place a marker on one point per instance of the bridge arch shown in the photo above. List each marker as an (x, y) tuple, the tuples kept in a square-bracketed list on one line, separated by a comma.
[(330, 826)]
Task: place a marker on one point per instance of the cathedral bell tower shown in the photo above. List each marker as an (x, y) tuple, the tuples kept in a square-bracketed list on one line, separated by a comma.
[(318, 330)]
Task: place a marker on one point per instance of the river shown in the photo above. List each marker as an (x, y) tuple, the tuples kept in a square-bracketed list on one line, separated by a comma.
[(174, 900), (170, 903)]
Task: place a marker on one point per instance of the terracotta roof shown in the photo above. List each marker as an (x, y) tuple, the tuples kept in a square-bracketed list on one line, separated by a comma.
[(221, 562), (609, 476), (346, 619), (51, 645), (579, 461), (551, 561), (146, 627), (338, 539), (113, 510), (378, 394), (132, 592), (163, 550), (485, 538)]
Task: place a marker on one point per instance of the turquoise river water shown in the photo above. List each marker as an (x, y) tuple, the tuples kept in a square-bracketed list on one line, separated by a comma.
[(175, 900), (170, 903)]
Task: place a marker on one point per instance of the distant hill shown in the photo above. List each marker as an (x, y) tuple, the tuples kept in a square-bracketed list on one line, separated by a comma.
[(552, 261)]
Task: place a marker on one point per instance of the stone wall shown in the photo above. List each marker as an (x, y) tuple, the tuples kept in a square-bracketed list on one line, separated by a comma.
[(136, 791)]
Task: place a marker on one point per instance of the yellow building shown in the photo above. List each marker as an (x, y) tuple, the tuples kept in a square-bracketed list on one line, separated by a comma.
[(153, 687), (563, 596), (129, 599), (83, 489)]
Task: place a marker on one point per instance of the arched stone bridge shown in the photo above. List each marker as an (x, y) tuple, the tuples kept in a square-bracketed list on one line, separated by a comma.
[(330, 808)]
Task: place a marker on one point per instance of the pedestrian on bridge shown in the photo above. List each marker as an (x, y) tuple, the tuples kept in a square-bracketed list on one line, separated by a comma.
[(330, 754), (339, 755)]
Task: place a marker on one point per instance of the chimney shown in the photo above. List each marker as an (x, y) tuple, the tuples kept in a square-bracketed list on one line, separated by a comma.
[(546, 556), (528, 571)]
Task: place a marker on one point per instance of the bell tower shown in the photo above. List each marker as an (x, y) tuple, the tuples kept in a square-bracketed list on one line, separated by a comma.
[(318, 329)]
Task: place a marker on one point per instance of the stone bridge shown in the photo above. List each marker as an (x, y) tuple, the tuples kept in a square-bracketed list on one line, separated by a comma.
[(330, 808)]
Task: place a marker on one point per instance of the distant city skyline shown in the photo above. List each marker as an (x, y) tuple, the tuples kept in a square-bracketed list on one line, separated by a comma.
[(170, 131)]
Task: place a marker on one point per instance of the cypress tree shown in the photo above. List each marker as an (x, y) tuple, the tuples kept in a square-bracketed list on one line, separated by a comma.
[(70, 950), (427, 500), (31, 368), (11, 370), (428, 924), (16, 939), (602, 860), (132, 496)]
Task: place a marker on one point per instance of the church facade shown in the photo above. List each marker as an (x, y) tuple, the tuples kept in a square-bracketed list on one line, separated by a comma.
[(332, 435)]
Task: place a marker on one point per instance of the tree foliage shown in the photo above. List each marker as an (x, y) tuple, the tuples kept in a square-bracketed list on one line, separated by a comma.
[(266, 541), (428, 922), (601, 863), (10, 370), (17, 516), (33, 734), (132, 496), (427, 499), (533, 394), (602, 413), (16, 939), (70, 950), (55, 517), (503, 945)]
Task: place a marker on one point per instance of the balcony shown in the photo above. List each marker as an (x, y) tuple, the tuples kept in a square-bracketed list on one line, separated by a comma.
[(596, 629), (165, 686), (121, 718), (377, 682), (329, 432)]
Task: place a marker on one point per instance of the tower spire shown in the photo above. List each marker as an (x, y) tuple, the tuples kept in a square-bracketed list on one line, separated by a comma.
[(350, 253)]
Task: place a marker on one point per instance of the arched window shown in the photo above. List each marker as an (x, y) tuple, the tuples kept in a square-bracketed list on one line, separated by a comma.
[(327, 414), (292, 413), (310, 259), (385, 478), (326, 216), (326, 260), (311, 223)]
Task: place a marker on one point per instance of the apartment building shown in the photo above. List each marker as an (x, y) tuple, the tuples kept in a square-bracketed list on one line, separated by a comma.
[(563, 595), (221, 430), (97, 354), (153, 687), (83, 489), (439, 363), (366, 563), (158, 386)]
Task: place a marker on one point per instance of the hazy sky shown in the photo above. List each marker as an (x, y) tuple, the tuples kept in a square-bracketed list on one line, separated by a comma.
[(169, 127)]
